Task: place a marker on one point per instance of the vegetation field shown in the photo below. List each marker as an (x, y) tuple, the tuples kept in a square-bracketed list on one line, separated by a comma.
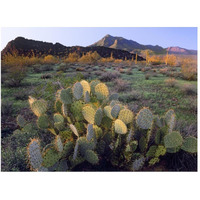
[(153, 85)]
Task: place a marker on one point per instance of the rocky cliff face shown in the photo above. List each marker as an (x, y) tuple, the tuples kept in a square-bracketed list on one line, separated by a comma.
[(27, 47)]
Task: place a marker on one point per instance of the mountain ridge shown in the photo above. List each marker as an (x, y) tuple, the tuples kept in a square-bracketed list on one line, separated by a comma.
[(28, 47), (133, 46)]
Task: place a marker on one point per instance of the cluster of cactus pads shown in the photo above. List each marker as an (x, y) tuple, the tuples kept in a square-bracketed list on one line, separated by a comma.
[(89, 125)]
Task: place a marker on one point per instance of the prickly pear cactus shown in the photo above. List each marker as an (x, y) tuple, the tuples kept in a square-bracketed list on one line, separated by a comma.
[(90, 126)]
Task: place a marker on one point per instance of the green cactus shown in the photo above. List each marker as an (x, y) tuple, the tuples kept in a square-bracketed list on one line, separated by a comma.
[(190, 144), (64, 110), (120, 127), (101, 91), (173, 140), (115, 111), (58, 118), (74, 130), (93, 85), (114, 97), (91, 157), (144, 118), (66, 96), (43, 122), (107, 111), (89, 113), (58, 144), (76, 109), (39, 107), (34, 154), (87, 97), (21, 121), (86, 86), (90, 132), (143, 144), (77, 90), (138, 163), (87, 122), (126, 116), (98, 117), (58, 106), (50, 158)]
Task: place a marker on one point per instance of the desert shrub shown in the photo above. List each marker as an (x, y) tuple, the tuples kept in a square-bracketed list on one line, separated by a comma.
[(171, 82), (46, 76), (189, 69), (90, 57), (144, 69), (49, 59), (72, 58), (118, 61), (62, 67), (189, 89), (109, 76), (129, 71), (16, 75), (156, 60), (80, 69), (147, 76), (37, 68), (130, 96), (98, 73), (164, 70), (171, 60), (91, 127), (21, 94), (121, 85), (6, 108)]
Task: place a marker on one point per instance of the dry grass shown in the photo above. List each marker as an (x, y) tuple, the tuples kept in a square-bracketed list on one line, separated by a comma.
[(171, 82)]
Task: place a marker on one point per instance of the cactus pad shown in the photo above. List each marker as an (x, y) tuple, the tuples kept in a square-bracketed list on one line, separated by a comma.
[(138, 163), (74, 130), (107, 111), (77, 90), (76, 150), (126, 116), (87, 97), (59, 125), (144, 118), (21, 121), (85, 145), (98, 117), (39, 107), (93, 85), (89, 114), (76, 109), (120, 127), (58, 106), (90, 132), (113, 97), (171, 123), (34, 154), (173, 140), (143, 144), (91, 157), (115, 111), (66, 96), (58, 144), (101, 91), (64, 110), (31, 100), (50, 157), (151, 152), (190, 144), (58, 118), (86, 86), (160, 151), (168, 115), (43, 122)]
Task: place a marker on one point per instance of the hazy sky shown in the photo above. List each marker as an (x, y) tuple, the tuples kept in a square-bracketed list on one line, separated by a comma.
[(165, 37)]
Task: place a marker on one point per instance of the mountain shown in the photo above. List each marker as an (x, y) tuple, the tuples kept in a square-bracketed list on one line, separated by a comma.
[(179, 50), (134, 47), (128, 45), (28, 47)]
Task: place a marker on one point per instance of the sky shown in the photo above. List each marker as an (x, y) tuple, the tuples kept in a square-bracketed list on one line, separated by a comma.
[(185, 37)]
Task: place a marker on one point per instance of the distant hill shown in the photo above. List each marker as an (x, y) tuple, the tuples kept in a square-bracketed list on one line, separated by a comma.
[(135, 47), (179, 50), (128, 45), (29, 47)]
